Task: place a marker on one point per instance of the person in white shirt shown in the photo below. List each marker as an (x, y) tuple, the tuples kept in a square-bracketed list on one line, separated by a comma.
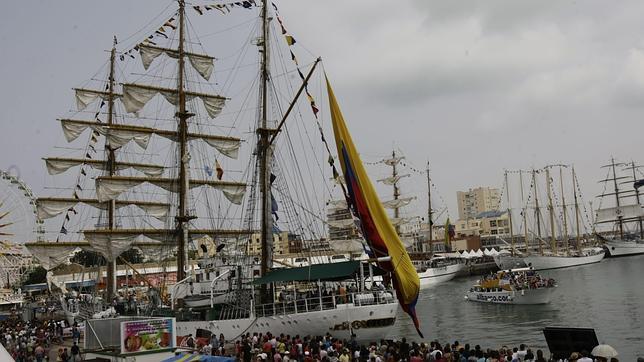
[(584, 357)]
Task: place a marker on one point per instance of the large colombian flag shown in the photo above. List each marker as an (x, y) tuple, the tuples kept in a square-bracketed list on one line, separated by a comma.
[(376, 227)]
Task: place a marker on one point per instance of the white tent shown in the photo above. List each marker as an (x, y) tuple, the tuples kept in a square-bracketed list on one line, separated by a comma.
[(479, 253), (472, 253), (493, 252)]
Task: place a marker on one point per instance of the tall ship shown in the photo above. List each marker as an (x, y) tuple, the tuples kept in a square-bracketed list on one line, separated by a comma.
[(620, 207), (162, 139), (432, 270), (561, 250)]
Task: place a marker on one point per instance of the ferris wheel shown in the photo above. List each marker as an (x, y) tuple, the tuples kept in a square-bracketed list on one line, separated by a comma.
[(19, 223)]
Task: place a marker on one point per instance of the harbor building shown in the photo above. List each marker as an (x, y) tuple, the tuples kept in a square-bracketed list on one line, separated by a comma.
[(476, 201)]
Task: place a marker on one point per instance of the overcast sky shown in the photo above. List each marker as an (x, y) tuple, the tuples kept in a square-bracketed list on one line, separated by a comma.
[(475, 87)]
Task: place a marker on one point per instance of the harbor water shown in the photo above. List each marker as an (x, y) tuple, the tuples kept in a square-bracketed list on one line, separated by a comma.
[(607, 296)]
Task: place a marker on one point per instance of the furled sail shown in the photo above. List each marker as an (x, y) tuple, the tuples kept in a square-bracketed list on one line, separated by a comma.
[(203, 64), (51, 257), (86, 96), (112, 243), (341, 223), (396, 203), (57, 165), (392, 179), (392, 161), (118, 135), (377, 230), (397, 221), (338, 203), (50, 207), (135, 96), (109, 188)]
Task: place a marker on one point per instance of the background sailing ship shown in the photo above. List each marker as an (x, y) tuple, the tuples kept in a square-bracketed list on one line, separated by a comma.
[(620, 207)]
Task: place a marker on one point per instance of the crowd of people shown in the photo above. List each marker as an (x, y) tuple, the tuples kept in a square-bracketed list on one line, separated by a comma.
[(260, 347), (33, 340)]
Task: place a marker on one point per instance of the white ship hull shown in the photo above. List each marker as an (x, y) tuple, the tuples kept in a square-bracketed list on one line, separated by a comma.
[(437, 275), (544, 262), (615, 248), (526, 296), (368, 323), (508, 261)]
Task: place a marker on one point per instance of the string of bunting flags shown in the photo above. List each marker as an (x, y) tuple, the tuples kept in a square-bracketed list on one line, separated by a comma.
[(90, 150), (225, 8), (290, 41)]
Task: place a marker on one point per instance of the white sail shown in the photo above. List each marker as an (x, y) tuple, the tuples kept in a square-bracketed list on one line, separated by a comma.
[(203, 64), (392, 161), (50, 207), (346, 246), (57, 166), (338, 203), (135, 97), (86, 96), (119, 135), (392, 179), (110, 246), (403, 201), (341, 223), (397, 221), (109, 188), (51, 257), (611, 214)]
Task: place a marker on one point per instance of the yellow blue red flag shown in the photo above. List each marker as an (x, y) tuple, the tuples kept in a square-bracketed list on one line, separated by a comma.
[(378, 231)]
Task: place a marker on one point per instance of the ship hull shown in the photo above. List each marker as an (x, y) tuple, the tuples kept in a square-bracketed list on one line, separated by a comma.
[(544, 262), (526, 296), (617, 248), (506, 262), (368, 323), (437, 275)]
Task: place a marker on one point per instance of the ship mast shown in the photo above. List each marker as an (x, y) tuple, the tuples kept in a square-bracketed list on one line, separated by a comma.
[(551, 212), (574, 188), (537, 212), (525, 216), (111, 166), (394, 173), (429, 206), (563, 206), (637, 198), (507, 189), (183, 217), (265, 155), (619, 217)]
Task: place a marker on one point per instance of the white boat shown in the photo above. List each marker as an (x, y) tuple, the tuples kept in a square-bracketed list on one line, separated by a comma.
[(437, 270), (519, 286), (615, 248), (544, 262)]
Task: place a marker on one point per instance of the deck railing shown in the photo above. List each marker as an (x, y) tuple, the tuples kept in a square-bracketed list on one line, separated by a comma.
[(319, 303)]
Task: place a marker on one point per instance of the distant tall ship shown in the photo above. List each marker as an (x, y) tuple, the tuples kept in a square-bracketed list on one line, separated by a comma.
[(625, 214), (432, 270), (560, 254)]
